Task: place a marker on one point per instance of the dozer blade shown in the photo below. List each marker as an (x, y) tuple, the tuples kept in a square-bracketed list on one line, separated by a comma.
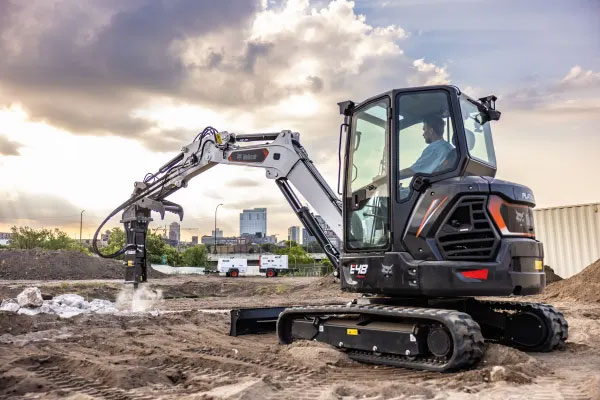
[(245, 321), (418, 338)]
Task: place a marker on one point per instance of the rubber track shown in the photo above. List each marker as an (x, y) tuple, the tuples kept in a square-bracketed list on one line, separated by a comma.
[(558, 328), (466, 334)]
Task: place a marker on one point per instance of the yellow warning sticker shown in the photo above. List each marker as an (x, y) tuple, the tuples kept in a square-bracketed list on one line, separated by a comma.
[(130, 263), (351, 332), (219, 139), (539, 265)]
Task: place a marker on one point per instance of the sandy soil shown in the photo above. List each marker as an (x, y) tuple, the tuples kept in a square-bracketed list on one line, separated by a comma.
[(184, 351)]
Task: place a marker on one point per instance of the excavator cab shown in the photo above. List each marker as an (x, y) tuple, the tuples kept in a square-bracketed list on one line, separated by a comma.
[(423, 214)]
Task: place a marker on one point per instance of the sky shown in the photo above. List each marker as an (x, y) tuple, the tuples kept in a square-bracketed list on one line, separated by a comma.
[(95, 94)]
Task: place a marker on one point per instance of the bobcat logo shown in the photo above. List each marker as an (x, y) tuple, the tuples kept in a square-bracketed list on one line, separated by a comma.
[(386, 270), (520, 217)]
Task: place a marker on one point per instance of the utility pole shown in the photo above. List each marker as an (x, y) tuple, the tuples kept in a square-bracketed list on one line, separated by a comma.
[(80, 225), (215, 242)]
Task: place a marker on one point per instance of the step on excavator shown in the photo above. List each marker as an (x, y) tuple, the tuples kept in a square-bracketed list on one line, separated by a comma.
[(425, 229)]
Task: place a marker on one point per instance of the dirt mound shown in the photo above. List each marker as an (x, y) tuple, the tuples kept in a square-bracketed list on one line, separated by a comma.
[(501, 363), (585, 286), (58, 265), (315, 354), (551, 276)]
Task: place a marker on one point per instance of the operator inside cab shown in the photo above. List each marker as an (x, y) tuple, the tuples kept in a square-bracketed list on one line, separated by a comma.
[(436, 152)]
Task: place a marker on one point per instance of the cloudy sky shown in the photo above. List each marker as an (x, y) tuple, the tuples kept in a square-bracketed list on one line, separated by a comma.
[(94, 94)]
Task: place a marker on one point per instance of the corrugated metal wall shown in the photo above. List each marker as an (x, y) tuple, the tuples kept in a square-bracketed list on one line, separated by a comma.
[(571, 236)]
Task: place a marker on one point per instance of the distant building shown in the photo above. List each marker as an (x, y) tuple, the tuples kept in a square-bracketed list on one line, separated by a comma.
[(219, 233), (294, 234), (222, 240), (194, 240), (5, 238), (174, 232), (259, 239), (307, 238), (254, 222)]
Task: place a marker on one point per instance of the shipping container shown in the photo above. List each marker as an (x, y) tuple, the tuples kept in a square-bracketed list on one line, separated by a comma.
[(571, 236)]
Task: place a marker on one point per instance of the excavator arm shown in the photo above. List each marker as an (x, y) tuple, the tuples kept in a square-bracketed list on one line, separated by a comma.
[(280, 154)]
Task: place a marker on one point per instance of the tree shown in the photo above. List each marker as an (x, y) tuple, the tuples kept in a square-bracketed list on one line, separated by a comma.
[(268, 247), (314, 247), (27, 238), (195, 256), (296, 253), (58, 239), (116, 240), (156, 248)]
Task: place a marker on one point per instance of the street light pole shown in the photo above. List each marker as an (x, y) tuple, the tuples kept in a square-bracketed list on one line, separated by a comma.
[(80, 225), (215, 242)]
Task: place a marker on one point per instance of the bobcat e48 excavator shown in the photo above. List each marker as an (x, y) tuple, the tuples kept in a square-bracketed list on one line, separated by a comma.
[(425, 227)]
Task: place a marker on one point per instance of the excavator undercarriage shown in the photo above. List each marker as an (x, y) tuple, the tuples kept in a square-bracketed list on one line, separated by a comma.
[(424, 224)]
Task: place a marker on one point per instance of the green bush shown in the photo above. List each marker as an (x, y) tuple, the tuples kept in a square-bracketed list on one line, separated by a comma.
[(29, 238)]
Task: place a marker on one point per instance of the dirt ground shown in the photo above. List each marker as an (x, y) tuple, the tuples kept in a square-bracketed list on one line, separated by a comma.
[(38, 264), (183, 351)]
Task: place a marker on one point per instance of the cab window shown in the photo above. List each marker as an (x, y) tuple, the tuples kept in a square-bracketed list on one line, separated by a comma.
[(427, 143)]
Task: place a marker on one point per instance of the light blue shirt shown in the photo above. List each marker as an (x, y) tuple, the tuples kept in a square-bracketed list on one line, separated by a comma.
[(432, 157)]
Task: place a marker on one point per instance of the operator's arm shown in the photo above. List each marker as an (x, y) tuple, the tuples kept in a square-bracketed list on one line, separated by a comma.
[(406, 173)]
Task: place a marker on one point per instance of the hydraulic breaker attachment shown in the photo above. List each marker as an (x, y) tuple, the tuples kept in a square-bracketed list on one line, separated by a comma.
[(254, 320), (136, 220)]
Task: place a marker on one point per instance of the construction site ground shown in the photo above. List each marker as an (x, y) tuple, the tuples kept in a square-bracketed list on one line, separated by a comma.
[(181, 349)]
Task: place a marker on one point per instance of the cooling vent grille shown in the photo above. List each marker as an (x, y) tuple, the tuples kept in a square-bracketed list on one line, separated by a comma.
[(468, 234)]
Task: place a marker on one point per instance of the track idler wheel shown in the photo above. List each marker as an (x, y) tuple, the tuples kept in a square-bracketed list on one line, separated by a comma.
[(439, 342)]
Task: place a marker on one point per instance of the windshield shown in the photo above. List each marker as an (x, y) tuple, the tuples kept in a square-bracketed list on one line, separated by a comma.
[(478, 135)]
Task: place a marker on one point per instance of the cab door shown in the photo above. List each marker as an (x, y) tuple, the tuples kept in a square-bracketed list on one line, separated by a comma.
[(421, 157), (367, 188)]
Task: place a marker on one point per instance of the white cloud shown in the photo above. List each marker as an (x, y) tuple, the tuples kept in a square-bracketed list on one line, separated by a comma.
[(578, 78), (430, 74), (269, 68)]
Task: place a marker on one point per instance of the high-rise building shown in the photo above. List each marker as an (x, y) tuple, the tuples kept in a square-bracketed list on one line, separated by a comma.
[(294, 234), (174, 232), (254, 222), (219, 233), (307, 238)]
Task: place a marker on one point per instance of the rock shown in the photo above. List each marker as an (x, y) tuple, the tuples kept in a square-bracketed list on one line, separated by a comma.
[(30, 297), (9, 305), (497, 373), (71, 300), (29, 311)]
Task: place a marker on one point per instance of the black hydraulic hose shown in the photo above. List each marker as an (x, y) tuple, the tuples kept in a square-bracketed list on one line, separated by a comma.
[(124, 205)]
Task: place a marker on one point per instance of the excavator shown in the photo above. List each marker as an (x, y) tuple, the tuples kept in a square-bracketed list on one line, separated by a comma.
[(426, 231)]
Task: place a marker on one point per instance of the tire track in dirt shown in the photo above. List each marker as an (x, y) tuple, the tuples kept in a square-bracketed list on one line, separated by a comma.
[(75, 384)]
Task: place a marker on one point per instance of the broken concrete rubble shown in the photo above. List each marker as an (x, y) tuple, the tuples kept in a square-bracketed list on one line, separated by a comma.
[(30, 297)]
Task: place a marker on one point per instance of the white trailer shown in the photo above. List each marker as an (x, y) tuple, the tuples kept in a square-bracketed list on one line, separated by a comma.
[(271, 265), (232, 267)]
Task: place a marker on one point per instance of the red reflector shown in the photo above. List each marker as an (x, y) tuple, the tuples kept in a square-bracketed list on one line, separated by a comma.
[(476, 274)]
